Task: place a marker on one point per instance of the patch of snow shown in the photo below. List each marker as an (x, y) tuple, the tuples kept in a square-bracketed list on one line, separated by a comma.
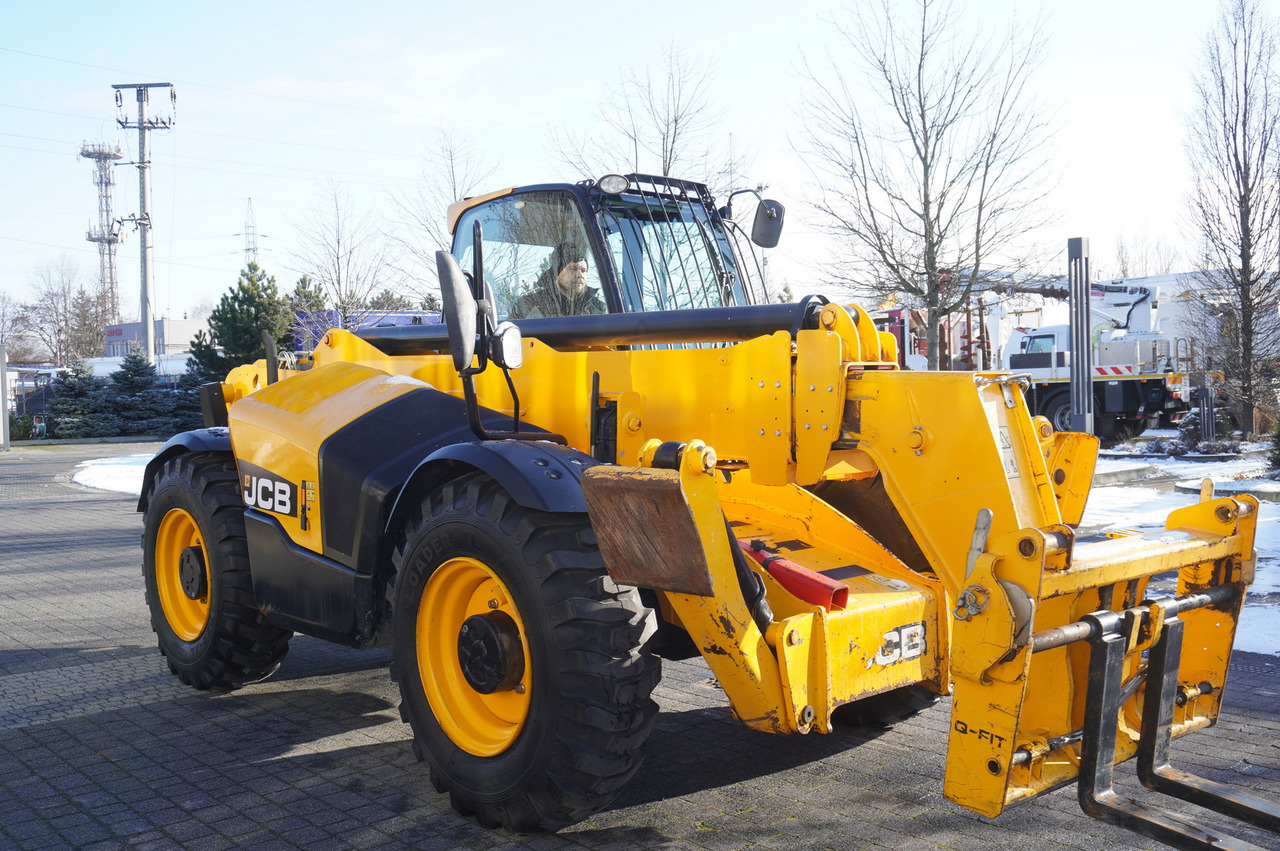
[(1112, 465), (123, 473), (1237, 468), (1130, 507), (1259, 630)]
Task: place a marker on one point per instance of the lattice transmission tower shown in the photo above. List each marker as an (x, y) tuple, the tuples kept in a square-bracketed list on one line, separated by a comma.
[(250, 236), (107, 234)]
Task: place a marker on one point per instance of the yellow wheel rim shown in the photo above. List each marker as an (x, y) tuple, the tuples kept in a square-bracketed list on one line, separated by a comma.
[(480, 724), (187, 617)]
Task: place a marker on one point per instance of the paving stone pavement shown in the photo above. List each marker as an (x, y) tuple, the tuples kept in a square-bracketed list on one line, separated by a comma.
[(101, 748)]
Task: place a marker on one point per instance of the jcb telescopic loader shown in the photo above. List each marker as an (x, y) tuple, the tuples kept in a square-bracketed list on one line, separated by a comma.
[(532, 513)]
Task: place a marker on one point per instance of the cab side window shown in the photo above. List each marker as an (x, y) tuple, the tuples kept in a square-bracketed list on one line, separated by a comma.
[(537, 258)]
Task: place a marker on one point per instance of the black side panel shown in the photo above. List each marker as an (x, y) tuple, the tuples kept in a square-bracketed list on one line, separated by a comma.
[(1036, 360), (1121, 397), (307, 592), (364, 464)]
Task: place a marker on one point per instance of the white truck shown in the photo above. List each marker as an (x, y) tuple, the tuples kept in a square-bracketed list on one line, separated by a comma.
[(1137, 381)]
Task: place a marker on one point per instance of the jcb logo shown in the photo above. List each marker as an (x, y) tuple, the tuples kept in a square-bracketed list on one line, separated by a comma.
[(263, 490), (901, 644)]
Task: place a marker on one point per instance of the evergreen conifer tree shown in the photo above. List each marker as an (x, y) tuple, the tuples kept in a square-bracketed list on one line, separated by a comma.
[(143, 406), (235, 325), (81, 406)]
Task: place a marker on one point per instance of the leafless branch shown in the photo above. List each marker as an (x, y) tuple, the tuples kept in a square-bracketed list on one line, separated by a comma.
[(1233, 148), (939, 170)]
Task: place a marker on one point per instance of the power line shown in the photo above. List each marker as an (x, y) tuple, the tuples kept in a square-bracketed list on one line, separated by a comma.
[(215, 135), (46, 244), (370, 178), (286, 98)]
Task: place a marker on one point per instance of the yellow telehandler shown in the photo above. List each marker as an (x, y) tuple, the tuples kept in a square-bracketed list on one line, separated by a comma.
[(612, 450)]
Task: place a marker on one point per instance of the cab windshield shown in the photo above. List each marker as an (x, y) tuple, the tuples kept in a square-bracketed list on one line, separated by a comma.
[(669, 254)]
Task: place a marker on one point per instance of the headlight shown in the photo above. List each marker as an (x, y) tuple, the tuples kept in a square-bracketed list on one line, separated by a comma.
[(613, 184)]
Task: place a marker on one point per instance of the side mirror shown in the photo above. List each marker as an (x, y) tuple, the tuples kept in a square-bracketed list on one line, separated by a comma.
[(459, 310), (507, 346), (767, 228)]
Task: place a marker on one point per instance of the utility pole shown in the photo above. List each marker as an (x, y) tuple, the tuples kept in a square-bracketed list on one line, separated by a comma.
[(4, 399), (144, 125)]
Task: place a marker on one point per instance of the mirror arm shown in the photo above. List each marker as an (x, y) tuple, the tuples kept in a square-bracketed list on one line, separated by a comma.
[(726, 211)]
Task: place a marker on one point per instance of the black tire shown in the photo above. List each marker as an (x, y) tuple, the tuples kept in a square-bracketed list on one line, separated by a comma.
[(586, 707), (886, 709), (1058, 411), (218, 638)]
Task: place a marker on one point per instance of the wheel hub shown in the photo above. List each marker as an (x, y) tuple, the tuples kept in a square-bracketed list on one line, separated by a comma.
[(489, 652), (191, 573)]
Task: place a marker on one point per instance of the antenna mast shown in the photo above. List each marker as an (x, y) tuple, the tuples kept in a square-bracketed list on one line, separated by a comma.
[(107, 234)]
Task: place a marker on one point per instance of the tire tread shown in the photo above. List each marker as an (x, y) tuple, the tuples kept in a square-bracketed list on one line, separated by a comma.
[(601, 633)]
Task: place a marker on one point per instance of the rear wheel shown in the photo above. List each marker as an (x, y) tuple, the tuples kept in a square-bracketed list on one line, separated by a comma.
[(524, 670), (195, 567), (1058, 411)]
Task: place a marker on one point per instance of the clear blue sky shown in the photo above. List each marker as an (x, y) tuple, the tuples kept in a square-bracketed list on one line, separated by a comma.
[(275, 97)]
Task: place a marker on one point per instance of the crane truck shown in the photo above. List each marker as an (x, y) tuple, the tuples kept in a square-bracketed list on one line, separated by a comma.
[(1139, 379), (535, 513)]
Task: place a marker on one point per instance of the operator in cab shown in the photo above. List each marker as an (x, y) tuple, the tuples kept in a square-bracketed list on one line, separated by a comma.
[(561, 290)]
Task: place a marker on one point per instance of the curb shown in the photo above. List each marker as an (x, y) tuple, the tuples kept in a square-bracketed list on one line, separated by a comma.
[(84, 441), (1269, 490), (1128, 474), (1249, 455)]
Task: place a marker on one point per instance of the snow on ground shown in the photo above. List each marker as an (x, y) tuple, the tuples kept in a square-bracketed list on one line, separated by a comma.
[(123, 473), (1117, 507), (1259, 630), (1133, 506)]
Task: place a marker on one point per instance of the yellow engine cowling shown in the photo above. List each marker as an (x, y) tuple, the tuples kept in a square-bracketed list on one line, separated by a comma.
[(277, 432)]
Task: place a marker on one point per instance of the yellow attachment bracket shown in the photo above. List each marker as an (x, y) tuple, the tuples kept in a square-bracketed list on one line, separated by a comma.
[(626, 505), (990, 661), (1071, 458), (818, 401), (1212, 518)]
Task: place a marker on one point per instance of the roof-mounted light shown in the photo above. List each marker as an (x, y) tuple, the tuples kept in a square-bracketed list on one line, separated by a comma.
[(613, 184)]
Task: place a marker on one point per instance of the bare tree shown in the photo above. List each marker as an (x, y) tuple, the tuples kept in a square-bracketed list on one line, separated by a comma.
[(67, 319), (345, 254), (943, 175), (1233, 148), (19, 345), (660, 121), (1143, 258), (453, 169)]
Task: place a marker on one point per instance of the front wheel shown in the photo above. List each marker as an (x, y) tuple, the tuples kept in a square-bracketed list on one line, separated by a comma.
[(195, 566), (524, 670)]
